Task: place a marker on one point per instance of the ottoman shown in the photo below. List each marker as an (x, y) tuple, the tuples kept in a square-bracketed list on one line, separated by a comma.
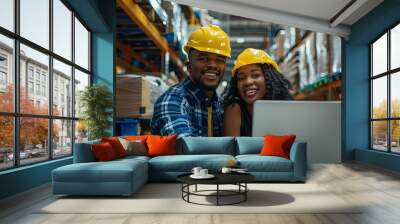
[(119, 177)]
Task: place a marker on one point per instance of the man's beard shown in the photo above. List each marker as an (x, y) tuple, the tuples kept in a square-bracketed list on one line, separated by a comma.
[(205, 87), (209, 88)]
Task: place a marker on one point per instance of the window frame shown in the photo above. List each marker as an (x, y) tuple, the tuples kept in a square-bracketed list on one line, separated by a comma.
[(16, 114), (388, 74)]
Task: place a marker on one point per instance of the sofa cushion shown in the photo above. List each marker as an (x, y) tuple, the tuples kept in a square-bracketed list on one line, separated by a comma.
[(116, 145), (185, 163), (111, 171), (249, 145), (207, 145), (257, 163), (131, 158), (103, 151), (161, 145), (136, 147), (275, 145)]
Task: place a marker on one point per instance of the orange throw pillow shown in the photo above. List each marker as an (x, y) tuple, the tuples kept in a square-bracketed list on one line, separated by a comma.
[(116, 145), (277, 145), (161, 145), (135, 138), (103, 152)]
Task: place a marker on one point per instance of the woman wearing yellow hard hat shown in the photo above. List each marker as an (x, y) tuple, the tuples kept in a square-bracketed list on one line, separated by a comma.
[(255, 76)]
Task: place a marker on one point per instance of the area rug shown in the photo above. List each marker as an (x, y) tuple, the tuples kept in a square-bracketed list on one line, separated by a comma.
[(167, 198)]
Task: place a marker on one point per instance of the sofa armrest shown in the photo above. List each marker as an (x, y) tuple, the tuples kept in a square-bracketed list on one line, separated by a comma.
[(83, 152), (298, 155)]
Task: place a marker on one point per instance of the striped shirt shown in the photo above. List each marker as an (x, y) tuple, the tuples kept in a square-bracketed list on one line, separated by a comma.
[(182, 110)]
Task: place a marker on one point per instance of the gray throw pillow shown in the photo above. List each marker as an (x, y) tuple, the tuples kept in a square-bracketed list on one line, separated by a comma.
[(136, 148)]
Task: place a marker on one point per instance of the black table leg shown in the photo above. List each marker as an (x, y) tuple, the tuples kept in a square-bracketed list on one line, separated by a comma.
[(245, 193), (217, 194), (188, 189), (182, 190)]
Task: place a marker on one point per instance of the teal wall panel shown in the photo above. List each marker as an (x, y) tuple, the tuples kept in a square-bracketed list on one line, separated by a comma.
[(356, 85), (24, 178)]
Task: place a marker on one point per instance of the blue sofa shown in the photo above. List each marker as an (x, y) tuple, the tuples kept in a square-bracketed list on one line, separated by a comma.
[(125, 176)]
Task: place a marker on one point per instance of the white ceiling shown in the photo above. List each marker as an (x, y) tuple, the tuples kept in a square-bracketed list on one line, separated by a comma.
[(314, 15), (322, 9)]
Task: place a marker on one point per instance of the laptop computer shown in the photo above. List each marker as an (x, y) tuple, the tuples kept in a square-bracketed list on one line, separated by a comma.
[(317, 123)]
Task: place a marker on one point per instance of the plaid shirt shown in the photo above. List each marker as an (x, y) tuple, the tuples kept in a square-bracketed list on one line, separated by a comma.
[(182, 110)]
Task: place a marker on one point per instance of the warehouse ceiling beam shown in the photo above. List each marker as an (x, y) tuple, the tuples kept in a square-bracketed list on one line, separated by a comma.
[(134, 11)]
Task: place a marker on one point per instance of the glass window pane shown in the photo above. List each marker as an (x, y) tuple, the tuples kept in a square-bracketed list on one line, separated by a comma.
[(81, 45), (81, 131), (62, 138), (35, 21), (6, 142), (6, 74), (62, 89), (32, 98), (7, 14), (395, 95), (379, 55), (379, 97), (81, 81), (379, 135), (33, 139), (395, 47), (395, 136), (62, 29)]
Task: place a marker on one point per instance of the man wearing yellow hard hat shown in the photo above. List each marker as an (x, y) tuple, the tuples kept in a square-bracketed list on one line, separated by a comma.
[(255, 76), (192, 107)]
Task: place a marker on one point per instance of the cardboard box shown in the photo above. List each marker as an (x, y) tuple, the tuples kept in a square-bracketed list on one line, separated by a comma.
[(133, 96)]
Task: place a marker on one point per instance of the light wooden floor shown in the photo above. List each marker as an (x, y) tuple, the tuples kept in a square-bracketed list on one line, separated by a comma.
[(379, 189)]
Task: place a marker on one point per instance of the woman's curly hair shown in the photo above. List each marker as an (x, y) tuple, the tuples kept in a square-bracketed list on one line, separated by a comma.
[(276, 85)]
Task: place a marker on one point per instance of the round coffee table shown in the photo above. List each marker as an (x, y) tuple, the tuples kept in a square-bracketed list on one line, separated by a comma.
[(238, 179)]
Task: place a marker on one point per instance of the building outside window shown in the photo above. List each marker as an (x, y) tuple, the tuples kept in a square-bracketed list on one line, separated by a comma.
[(3, 72), (43, 78), (3, 78), (30, 72), (30, 87), (43, 90), (37, 75), (3, 61), (38, 89), (55, 95), (385, 91)]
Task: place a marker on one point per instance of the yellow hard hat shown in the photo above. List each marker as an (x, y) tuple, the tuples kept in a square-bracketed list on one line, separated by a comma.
[(209, 39), (253, 56)]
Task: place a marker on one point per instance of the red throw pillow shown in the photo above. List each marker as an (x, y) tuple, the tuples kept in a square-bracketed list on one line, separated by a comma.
[(103, 151), (161, 145), (277, 145), (116, 145)]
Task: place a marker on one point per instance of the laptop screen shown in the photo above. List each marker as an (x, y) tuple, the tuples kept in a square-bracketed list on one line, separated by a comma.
[(317, 123)]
